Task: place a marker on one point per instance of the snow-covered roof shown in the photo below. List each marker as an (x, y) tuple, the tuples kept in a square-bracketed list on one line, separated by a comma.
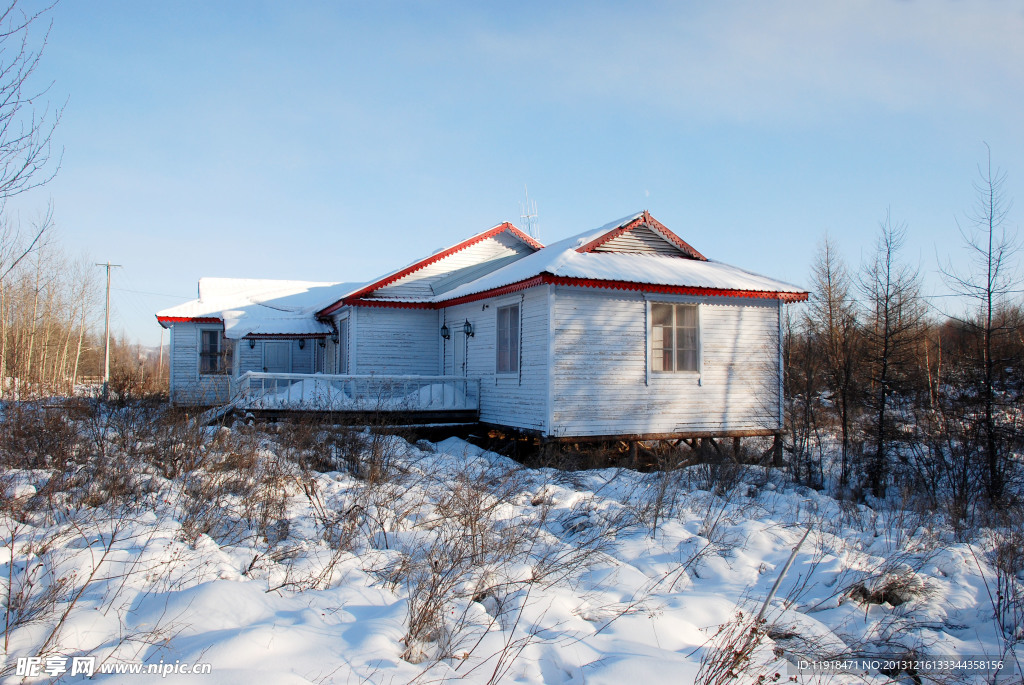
[(438, 255), (563, 259), (250, 306), (592, 258)]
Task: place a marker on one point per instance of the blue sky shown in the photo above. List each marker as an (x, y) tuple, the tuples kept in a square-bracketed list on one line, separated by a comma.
[(337, 141)]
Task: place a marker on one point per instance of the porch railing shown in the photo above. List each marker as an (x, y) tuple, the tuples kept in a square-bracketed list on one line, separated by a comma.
[(325, 392)]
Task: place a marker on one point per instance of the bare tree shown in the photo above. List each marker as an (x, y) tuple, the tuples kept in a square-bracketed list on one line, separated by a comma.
[(26, 127), (26, 131), (833, 319), (891, 289), (988, 281), (26, 159)]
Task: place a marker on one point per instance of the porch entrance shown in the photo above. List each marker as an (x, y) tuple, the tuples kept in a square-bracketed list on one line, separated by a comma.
[(277, 357)]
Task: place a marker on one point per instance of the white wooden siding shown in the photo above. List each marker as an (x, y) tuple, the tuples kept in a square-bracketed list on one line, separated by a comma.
[(640, 240), (332, 350), (302, 357), (395, 341), (473, 262), (601, 384), (186, 385), (251, 359), (517, 400)]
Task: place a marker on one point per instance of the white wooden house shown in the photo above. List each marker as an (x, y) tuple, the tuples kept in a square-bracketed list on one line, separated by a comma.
[(625, 330)]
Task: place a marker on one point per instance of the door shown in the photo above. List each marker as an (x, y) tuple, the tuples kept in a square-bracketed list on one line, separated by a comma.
[(277, 357), (459, 349)]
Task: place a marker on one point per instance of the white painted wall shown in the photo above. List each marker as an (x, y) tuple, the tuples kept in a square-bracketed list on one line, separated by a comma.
[(186, 385), (519, 400), (251, 359), (601, 384), (389, 340)]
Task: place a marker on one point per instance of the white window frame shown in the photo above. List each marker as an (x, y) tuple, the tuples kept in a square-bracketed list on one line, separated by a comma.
[(515, 336), (651, 350), (342, 355)]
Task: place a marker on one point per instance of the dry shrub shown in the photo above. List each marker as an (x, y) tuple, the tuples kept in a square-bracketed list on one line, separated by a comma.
[(1007, 559), (893, 588), (730, 656), (33, 436)]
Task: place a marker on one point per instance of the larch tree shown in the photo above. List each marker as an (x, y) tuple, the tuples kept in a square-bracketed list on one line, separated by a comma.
[(893, 324), (988, 282), (833, 319)]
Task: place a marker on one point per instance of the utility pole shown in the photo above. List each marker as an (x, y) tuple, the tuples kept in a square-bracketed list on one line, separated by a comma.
[(106, 334)]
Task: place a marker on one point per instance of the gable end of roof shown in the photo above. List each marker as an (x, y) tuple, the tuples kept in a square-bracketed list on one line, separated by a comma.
[(504, 227), (648, 221)]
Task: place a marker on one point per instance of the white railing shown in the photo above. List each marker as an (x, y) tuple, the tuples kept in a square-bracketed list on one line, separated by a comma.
[(325, 392)]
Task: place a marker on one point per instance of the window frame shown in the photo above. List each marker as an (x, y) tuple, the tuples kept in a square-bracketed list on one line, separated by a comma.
[(223, 357), (652, 351), (341, 354), (514, 340)]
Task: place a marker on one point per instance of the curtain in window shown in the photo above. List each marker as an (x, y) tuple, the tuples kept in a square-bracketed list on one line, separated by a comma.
[(674, 337), (508, 340), (209, 352)]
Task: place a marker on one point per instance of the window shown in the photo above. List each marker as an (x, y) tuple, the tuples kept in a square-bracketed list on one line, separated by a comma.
[(214, 353), (508, 340), (674, 337), (343, 346)]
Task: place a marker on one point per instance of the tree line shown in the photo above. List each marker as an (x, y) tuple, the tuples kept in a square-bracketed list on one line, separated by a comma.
[(890, 388), (51, 334)]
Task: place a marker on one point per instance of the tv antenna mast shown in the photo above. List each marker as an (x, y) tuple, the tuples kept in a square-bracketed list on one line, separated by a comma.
[(529, 215)]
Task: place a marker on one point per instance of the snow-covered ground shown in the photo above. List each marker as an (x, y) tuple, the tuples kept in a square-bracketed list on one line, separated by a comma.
[(443, 562)]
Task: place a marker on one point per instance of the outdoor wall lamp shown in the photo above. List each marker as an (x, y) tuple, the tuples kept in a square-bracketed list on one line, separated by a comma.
[(467, 328), (321, 342), (445, 332), (252, 343), (302, 343)]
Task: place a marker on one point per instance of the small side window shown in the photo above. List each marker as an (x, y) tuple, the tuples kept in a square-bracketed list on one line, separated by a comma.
[(214, 353), (507, 361), (675, 338)]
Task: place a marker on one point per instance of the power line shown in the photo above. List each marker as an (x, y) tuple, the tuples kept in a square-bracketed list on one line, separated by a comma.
[(145, 292)]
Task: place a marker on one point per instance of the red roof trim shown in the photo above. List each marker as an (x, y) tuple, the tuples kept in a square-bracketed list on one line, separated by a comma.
[(398, 275), (283, 336), (675, 289), (546, 278), (162, 320), (396, 304), (496, 292), (650, 222)]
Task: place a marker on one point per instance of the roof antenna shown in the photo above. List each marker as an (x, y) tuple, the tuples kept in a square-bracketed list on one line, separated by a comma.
[(529, 215)]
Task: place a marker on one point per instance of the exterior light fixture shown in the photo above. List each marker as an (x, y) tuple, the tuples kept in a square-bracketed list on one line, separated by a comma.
[(445, 332), (467, 328), (302, 343), (252, 343), (321, 342)]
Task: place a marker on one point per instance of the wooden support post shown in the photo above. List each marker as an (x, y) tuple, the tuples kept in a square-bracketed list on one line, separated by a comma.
[(632, 453), (736, 447)]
